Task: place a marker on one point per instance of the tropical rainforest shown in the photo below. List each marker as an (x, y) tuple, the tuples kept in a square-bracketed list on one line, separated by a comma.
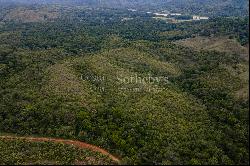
[(148, 91)]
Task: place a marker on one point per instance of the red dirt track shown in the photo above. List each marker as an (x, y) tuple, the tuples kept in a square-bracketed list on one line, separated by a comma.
[(69, 142)]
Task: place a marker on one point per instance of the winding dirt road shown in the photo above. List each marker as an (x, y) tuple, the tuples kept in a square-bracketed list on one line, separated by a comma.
[(69, 142)]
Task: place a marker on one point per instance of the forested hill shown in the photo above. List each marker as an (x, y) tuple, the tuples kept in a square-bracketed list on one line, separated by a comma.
[(71, 73), (211, 7), (207, 7)]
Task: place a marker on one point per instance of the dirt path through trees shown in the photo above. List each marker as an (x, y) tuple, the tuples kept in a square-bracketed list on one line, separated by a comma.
[(69, 142)]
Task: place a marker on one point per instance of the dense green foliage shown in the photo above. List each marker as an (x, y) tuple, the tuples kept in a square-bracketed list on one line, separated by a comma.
[(212, 8), (52, 84), (21, 152)]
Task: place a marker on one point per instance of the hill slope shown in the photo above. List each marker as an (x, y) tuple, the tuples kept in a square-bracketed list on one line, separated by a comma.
[(127, 87)]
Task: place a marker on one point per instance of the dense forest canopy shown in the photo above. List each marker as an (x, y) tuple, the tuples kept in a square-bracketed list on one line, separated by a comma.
[(147, 90), (209, 7)]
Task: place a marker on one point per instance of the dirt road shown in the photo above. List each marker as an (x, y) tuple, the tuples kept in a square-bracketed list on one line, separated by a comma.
[(69, 142)]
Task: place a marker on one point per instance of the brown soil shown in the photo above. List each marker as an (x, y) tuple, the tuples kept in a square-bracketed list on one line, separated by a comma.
[(69, 142)]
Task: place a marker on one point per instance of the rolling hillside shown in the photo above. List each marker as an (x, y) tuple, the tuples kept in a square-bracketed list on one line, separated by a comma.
[(141, 88), (221, 44)]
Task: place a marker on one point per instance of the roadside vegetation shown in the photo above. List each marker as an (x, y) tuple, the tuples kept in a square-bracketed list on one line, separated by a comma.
[(24, 152)]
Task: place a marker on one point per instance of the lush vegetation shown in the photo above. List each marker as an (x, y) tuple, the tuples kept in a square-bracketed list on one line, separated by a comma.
[(211, 8), (21, 152), (70, 78)]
